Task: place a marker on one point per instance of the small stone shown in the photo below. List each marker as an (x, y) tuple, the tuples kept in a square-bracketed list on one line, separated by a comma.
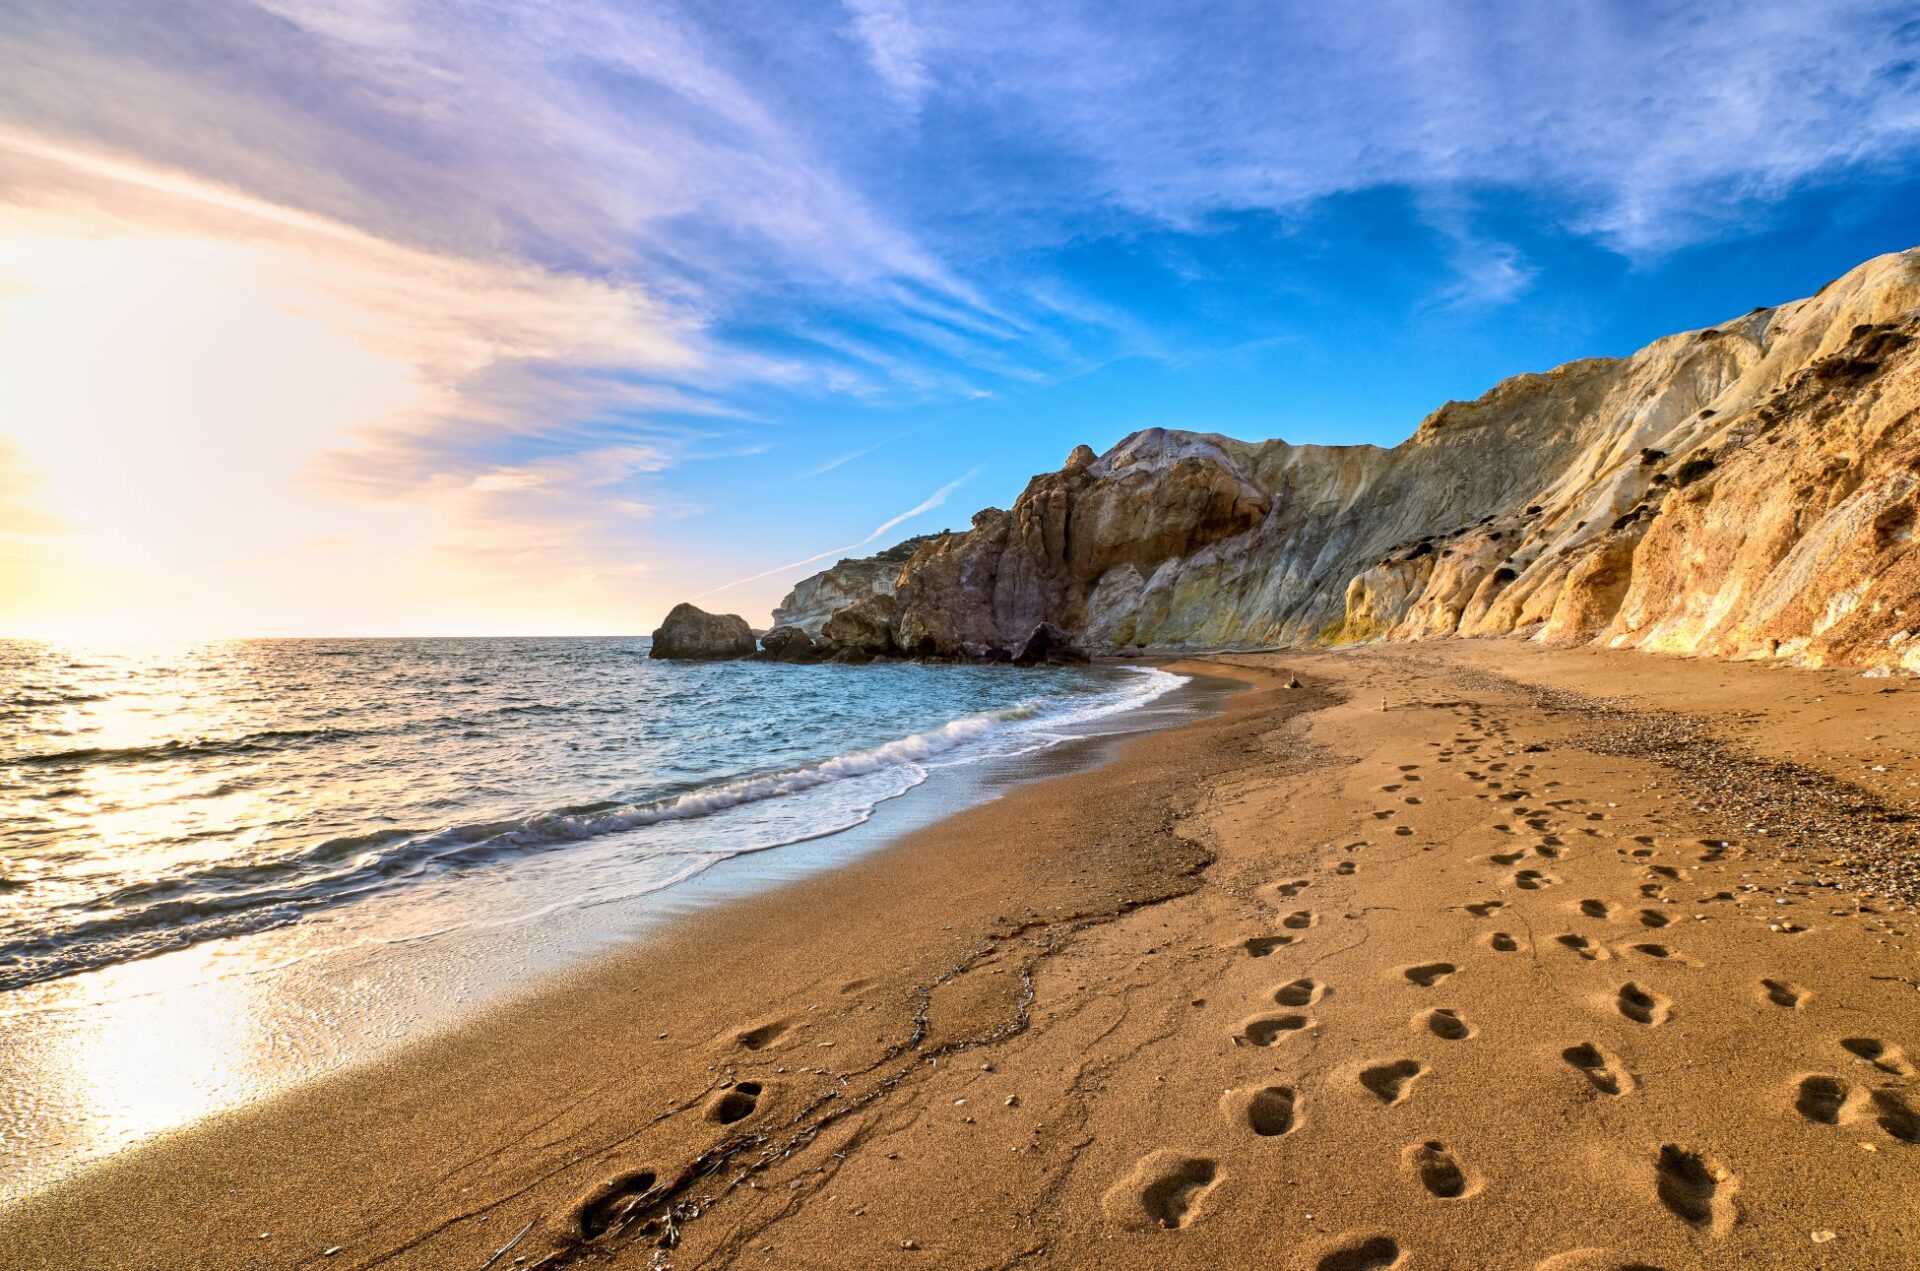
[(1013, 1101), (909, 1244), (1821, 1237)]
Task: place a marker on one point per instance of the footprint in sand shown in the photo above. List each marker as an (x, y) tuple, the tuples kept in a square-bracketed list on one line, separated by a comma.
[(1300, 920), (1783, 994), (1651, 950), (1887, 1058), (1445, 1023), (1346, 867), (1392, 1082), (762, 1036), (1643, 1006), (1503, 942), (1405, 831), (1302, 992), (1654, 919), (1261, 946), (1266, 1030), (1601, 1068), (1165, 1191), (1584, 947), (1486, 908), (1695, 1188), (1594, 908), (1269, 1111), (613, 1203), (1438, 1170), (1507, 858), (1428, 974), (735, 1104), (1896, 1116), (1361, 1253), (1820, 1098), (1287, 891)]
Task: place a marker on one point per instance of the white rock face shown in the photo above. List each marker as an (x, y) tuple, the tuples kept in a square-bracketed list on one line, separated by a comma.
[(1748, 490), (815, 599)]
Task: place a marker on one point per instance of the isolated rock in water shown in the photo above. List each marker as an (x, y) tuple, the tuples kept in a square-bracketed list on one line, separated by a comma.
[(865, 627), (1747, 490), (1048, 643), (694, 633), (789, 644)]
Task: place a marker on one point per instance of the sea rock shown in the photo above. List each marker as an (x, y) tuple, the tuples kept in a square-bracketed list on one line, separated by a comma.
[(863, 627), (1048, 643), (1748, 490), (694, 633), (789, 644)]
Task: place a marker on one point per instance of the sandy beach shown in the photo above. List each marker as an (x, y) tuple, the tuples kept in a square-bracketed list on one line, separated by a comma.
[(1459, 955)]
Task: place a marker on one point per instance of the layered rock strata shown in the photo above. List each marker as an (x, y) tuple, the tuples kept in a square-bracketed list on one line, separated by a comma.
[(1746, 490)]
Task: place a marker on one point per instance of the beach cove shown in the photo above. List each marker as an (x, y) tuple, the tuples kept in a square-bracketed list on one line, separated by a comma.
[(1401, 967)]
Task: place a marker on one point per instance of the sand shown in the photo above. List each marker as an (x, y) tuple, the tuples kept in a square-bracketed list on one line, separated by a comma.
[(1434, 962)]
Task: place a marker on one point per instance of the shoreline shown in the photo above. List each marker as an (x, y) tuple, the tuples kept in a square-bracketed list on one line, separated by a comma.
[(223, 1024), (1305, 983)]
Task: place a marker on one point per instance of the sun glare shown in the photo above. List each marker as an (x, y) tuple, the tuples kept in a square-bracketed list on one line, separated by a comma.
[(160, 396)]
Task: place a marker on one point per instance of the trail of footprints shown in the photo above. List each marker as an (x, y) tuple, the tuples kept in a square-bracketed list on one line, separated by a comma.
[(1691, 1184)]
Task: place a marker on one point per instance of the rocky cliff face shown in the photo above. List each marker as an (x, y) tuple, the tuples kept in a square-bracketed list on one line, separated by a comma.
[(1748, 490), (813, 600)]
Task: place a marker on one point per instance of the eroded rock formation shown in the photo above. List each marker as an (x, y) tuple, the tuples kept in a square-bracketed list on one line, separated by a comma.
[(814, 599), (1747, 490)]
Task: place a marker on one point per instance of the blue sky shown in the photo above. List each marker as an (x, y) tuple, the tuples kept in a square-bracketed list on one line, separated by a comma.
[(539, 317)]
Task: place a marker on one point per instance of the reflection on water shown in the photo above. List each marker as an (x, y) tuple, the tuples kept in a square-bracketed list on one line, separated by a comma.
[(181, 831), (148, 1046)]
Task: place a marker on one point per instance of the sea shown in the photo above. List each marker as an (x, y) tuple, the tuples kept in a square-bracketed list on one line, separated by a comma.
[(227, 867)]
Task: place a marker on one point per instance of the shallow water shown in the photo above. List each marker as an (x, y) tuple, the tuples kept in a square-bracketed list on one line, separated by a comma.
[(233, 867), (155, 800)]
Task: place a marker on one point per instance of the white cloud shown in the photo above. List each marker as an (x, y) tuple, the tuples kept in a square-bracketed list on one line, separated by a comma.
[(895, 45)]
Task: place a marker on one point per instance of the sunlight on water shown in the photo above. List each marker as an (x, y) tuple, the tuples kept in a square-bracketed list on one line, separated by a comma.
[(155, 1045), (187, 827)]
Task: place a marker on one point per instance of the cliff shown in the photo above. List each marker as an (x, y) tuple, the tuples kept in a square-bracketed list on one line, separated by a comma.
[(815, 599), (1747, 490)]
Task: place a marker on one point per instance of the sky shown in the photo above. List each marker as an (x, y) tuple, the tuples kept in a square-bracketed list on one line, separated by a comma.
[(345, 317)]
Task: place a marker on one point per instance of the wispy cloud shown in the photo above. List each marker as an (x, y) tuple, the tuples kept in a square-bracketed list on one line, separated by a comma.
[(895, 45), (935, 500)]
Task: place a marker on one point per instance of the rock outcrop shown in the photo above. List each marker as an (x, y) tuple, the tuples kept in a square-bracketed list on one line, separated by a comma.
[(813, 600), (789, 644), (696, 634), (1747, 490)]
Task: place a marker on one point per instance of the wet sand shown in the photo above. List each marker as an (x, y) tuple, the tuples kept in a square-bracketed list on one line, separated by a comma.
[(1500, 975)]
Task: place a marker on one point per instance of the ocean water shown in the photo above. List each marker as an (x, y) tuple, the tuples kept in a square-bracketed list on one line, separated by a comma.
[(160, 800)]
